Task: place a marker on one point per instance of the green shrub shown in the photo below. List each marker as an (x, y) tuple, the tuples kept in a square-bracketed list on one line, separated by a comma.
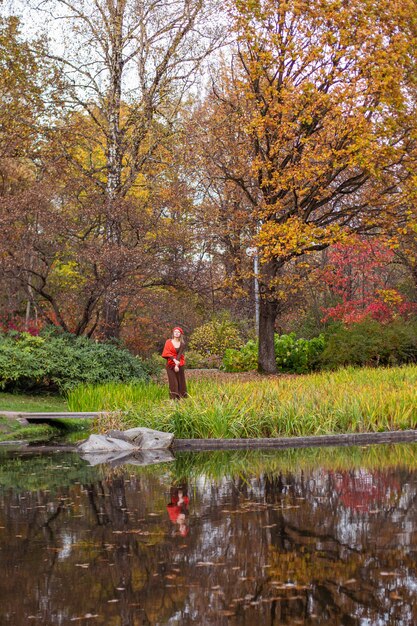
[(292, 355), (196, 360), (243, 360), (215, 337), (297, 355), (60, 361), (371, 343), (154, 365)]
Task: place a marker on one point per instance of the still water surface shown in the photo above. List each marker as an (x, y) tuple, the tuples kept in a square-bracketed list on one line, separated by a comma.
[(295, 537)]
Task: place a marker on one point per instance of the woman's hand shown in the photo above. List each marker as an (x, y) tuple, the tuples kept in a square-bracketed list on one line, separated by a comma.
[(176, 368)]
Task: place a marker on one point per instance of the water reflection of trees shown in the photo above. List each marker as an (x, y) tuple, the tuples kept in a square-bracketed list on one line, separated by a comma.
[(311, 546)]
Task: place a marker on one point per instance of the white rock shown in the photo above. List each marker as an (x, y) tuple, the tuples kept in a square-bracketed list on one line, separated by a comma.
[(102, 443), (148, 439)]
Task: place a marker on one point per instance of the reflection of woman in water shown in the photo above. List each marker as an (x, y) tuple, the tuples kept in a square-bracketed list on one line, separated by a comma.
[(178, 508)]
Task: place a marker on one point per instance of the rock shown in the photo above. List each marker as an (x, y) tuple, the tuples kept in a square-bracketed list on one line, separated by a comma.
[(22, 421), (117, 434), (127, 441), (147, 457), (103, 443), (148, 439)]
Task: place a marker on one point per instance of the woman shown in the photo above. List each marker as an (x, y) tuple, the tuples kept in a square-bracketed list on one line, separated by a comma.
[(174, 354)]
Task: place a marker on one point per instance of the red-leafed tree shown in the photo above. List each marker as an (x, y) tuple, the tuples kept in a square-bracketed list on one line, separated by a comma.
[(359, 274)]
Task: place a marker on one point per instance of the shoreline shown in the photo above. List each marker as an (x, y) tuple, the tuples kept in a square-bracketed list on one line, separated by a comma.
[(274, 443)]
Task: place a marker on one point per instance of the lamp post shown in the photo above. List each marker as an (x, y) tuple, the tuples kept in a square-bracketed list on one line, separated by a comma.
[(253, 252)]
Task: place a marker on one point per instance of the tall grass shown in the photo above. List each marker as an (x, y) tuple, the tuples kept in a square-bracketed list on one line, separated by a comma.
[(115, 396), (349, 400)]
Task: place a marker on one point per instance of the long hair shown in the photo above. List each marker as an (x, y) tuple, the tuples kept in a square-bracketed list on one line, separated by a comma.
[(182, 343)]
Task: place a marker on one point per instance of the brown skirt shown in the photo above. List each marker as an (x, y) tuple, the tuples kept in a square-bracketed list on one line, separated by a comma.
[(176, 382)]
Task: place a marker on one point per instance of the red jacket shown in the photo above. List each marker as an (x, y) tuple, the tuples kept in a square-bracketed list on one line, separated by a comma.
[(175, 509), (170, 353)]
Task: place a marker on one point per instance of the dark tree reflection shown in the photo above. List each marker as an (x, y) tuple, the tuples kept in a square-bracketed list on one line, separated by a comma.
[(313, 545)]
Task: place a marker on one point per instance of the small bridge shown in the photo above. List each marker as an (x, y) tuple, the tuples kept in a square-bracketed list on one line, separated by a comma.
[(23, 417)]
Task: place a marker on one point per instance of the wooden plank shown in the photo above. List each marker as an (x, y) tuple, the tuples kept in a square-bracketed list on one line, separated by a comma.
[(277, 443), (56, 416)]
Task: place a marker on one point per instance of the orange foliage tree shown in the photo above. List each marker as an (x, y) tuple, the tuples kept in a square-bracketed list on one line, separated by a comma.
[(329, 116)]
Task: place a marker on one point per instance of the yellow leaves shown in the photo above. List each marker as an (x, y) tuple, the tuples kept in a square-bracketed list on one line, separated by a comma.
[(140, 189), (326, 88), (294, 237), (390, 296), (67, 275), (393, 242)]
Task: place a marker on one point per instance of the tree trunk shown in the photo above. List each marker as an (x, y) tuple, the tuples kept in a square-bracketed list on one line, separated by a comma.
[(266, 355), (413, 270), (111, 321), (111, 309), (268, 310)]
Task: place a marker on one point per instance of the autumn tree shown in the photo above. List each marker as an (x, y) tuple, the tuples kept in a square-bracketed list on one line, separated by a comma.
[(126, 65), (325, 87), (23, 82), (217, 152), (54, 239), (363, 276)]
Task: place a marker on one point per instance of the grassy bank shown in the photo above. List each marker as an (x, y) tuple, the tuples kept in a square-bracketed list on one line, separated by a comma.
[(11, 429), (71, 430), (32, 403), (350, 400)]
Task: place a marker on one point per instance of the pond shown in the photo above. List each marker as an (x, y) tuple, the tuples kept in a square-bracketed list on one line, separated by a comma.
[(317, 536)]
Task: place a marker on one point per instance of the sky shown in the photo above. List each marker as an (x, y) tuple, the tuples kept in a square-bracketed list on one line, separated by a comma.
[(36, 17)]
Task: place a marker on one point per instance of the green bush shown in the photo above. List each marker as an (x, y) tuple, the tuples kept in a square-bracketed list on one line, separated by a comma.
[(60, 361), (196, 360), (215, 337), (154, 365), (292, 355), (297, 355), (243, 360), (370, 343)]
